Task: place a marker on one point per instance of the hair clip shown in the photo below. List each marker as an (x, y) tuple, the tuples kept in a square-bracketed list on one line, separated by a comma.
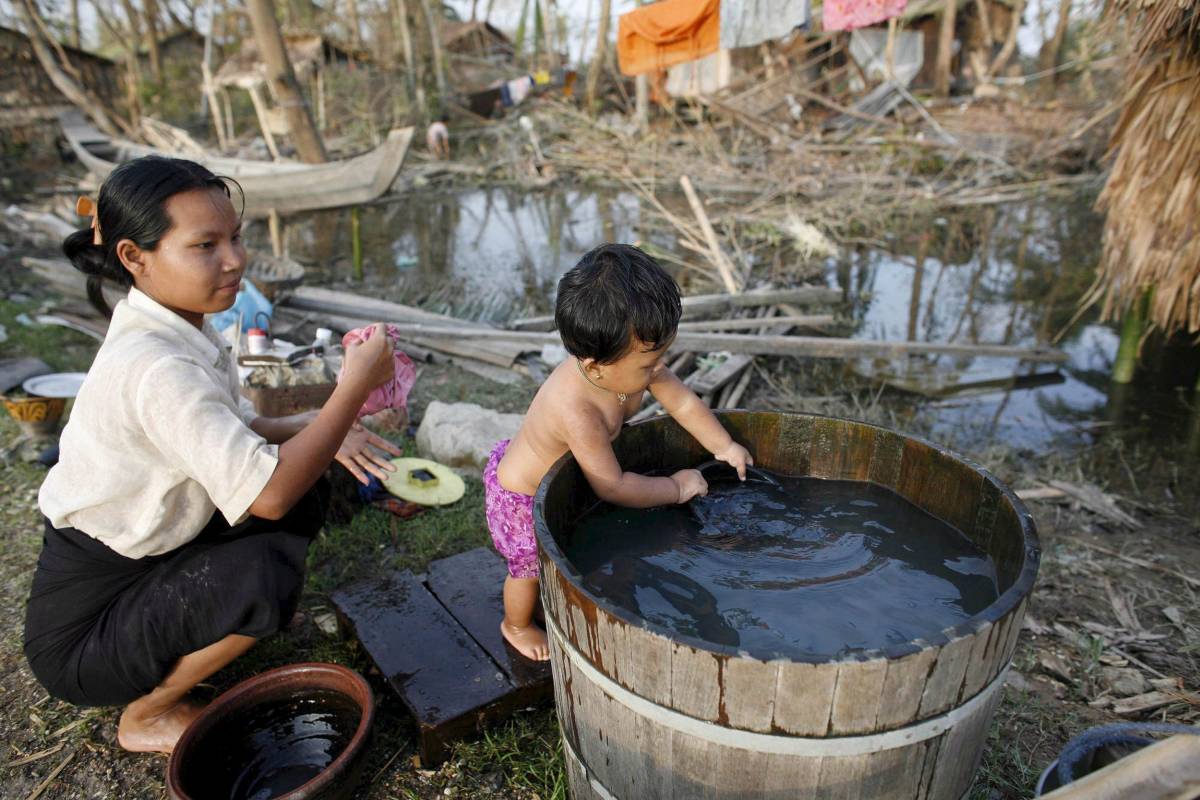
[(87, 207)]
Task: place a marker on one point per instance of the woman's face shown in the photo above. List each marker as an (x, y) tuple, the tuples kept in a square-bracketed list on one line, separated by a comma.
[(197, 267)]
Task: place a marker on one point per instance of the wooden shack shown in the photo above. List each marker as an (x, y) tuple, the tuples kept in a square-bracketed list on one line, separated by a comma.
[(29, 99), (477, 39)]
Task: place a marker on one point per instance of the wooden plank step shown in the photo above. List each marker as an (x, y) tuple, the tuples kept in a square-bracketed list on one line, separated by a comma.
[(437, 644), (470, 585)]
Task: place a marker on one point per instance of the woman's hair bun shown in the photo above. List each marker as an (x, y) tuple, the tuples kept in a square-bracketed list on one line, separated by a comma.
[(85, 256)]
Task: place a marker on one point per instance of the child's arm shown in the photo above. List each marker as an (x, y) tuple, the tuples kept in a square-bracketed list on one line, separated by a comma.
[(689, 410), (588, 439), (303, 457)]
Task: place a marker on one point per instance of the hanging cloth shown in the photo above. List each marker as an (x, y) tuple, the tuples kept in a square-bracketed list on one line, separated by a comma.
[(666, 33), (846, 15), (746, 23)]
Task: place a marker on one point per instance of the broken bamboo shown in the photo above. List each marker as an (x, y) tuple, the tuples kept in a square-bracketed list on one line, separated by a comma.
[(716, 254)]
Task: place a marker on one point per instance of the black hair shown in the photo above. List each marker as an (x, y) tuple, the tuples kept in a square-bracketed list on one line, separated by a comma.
[(132, 205), (614, 294)]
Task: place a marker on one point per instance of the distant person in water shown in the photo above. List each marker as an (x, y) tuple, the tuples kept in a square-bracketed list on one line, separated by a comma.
[(437, 138), (177, 519), (617, 313)]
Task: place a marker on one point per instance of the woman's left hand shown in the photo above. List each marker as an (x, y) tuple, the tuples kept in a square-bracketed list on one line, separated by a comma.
[(359, 454)]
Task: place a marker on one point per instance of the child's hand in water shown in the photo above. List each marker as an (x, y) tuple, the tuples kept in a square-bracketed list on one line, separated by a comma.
[(690, 483), (737, 457), (371, 363)]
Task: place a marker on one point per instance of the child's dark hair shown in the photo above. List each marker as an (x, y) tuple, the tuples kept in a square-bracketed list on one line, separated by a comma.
[(614, 294), (132, 205)]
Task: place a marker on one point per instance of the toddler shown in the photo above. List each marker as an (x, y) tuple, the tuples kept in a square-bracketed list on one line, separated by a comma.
[(617, 313)]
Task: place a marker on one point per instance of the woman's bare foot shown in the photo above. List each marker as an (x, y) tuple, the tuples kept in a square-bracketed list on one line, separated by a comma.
[(157, 733), (530, 640)]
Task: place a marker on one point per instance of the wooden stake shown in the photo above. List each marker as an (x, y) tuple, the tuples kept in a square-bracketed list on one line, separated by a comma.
[(260, 110), (720, 260), (356, 243), (276, 233)]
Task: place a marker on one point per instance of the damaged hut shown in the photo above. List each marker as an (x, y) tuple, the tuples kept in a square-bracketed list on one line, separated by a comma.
[(29, 99), (311, 55)]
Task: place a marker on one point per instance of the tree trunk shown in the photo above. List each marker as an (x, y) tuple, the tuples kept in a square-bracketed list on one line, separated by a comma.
[(1010, 40), (945, 52), (308, 142), (76, 38), (150, 9), (435, 42), (1052, 50), (352, 21), (474, 7), (399, 17), (76, 93), (600, 56)]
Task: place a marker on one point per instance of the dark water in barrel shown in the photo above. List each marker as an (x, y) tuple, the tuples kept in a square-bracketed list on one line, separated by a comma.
[(272, 748), (812, 568)]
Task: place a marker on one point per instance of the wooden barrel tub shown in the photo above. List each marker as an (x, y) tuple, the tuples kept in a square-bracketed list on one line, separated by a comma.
[(648, 713)]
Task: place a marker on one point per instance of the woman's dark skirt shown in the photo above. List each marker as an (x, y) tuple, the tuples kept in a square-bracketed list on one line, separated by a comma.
[(102, 629)]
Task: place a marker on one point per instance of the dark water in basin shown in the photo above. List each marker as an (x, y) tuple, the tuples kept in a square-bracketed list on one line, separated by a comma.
[(813, 568), (272, 748)]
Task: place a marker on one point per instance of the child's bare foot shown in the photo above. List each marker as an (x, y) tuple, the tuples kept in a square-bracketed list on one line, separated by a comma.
[(530, 641), (157, 733)]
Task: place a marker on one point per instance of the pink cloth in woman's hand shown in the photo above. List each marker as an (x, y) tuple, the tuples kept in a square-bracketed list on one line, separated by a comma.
[(394, 393)]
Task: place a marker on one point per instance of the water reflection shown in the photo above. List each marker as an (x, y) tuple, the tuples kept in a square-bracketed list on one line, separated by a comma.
[(488, 254)]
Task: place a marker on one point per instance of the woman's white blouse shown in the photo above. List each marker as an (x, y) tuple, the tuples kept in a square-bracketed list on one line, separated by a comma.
[(158, 437)]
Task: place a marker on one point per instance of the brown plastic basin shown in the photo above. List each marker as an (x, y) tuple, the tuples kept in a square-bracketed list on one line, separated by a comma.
[(338, 780)]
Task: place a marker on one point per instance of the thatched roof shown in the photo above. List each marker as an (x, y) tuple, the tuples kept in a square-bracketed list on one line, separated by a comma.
[(1152, 197)]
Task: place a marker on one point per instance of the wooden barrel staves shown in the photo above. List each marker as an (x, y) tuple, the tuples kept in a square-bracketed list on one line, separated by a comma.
[(648, 713)]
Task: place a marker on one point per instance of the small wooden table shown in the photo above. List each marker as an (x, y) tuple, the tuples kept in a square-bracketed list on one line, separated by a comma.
[(436, 640)]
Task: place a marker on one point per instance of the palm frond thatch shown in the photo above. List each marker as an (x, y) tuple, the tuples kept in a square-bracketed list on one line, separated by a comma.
[(1152, 197)]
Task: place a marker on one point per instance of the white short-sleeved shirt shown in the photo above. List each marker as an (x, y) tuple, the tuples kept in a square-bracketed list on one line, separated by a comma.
[(158, 438)]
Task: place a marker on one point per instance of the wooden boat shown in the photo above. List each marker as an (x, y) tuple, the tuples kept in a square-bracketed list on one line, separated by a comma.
[(283, 187)]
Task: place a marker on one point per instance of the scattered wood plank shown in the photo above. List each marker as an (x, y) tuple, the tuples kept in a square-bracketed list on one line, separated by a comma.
[(701, 305), (38, 756), (802, 320), (774, 345), (1150, 701), (1097, 502)]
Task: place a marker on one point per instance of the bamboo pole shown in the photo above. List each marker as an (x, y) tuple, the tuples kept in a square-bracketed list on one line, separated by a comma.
[(1133, 326), (945, 52), (260, 111), (716, 254)]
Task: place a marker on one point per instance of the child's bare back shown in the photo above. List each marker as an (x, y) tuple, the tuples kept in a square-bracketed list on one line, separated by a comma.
[(560, 406)]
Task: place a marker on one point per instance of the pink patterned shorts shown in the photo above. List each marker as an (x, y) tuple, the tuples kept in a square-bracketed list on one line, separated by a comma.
[(510, 520)]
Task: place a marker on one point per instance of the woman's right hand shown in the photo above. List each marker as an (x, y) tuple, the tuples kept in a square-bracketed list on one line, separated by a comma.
[(690, 483), (370, 364)]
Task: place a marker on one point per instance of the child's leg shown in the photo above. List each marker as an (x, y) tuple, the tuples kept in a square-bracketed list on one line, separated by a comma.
[(520, 600)]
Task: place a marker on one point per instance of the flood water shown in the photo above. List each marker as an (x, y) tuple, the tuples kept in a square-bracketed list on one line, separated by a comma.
[(809, 568), (271, 748), (1012, 274)]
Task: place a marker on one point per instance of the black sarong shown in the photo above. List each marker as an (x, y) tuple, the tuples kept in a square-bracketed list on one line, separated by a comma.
[(102, 629)]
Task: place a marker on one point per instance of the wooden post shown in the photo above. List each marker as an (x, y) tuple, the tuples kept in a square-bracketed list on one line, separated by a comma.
[(600, 56), (890, 50), (260, 110), (1133, 326), (435, 40), (642, 101), (720, 260), (276, 233), (227, 104), (945, 52), (356, 257), (321, 98)]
